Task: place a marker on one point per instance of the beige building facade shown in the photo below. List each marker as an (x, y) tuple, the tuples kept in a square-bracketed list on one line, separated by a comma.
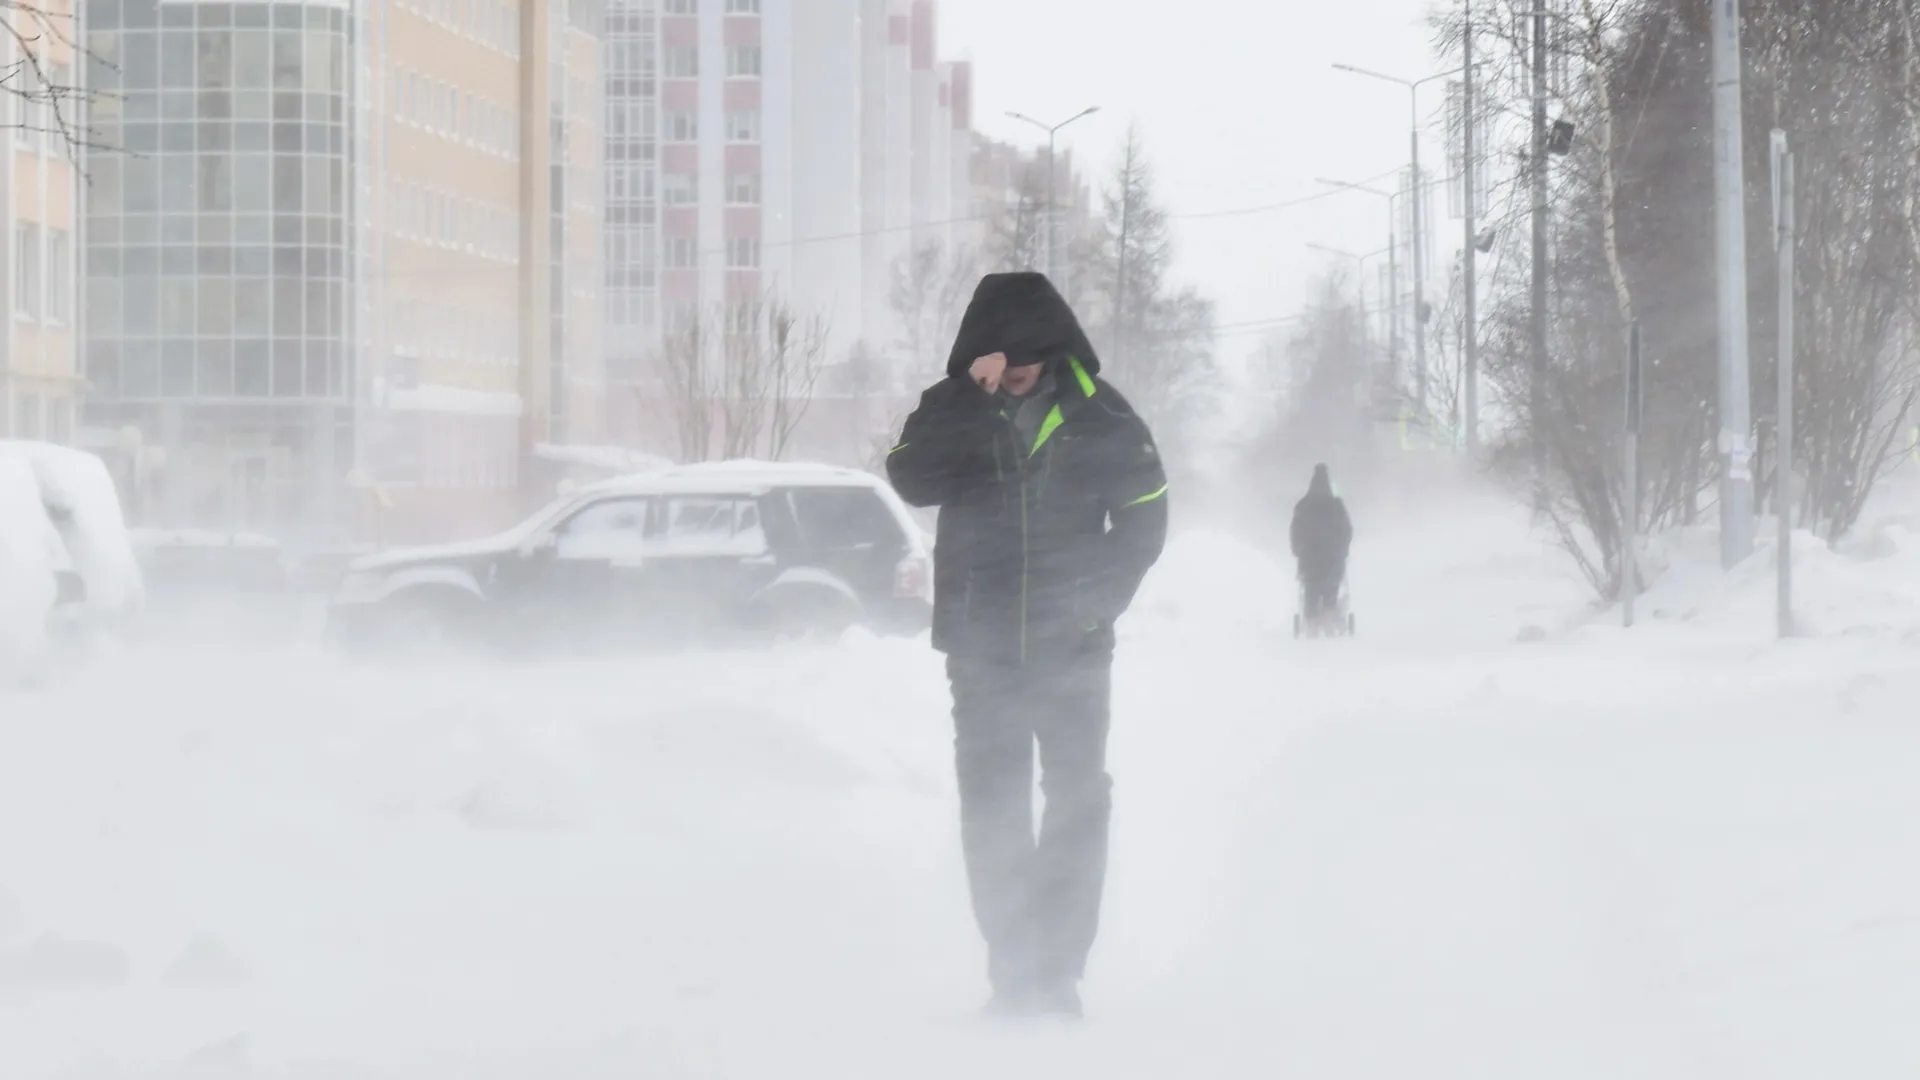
[(39, 363), (368, 308)]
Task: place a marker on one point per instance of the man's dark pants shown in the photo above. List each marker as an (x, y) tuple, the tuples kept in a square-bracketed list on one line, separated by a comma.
[(1037, 901)]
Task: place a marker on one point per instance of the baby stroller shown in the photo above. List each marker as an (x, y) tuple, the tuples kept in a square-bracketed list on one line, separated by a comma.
[(1330, 620)]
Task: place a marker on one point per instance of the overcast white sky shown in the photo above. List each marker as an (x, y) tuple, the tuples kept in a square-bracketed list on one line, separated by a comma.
[(1239, 106)]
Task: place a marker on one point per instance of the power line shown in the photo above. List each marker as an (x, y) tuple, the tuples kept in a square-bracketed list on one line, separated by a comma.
[(1284, 205), (1201, 215)]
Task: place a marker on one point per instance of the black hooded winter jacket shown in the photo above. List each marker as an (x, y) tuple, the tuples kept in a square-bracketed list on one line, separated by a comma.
[(1040, 547), (1322, 532)]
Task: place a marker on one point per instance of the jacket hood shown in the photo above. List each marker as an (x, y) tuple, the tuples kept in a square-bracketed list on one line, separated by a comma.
[(1023, 315), (1322, 483)]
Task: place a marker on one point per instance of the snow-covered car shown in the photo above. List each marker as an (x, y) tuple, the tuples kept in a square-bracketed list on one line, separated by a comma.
[(66, 559), (83, 504), (701, 554), (30, 553)]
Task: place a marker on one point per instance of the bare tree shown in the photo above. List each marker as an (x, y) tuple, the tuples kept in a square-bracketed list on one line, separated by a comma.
[(740, 377), (746, 391), (1016, 233), (686, 378), (47, 97), (1157, 338), (1632, 208), (931, 284), (795, 350)]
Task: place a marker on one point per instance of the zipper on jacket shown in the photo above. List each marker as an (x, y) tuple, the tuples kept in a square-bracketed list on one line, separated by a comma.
[(1020, 465)]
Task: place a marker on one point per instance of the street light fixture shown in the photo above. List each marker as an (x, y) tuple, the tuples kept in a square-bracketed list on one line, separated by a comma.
[(1053, 270)]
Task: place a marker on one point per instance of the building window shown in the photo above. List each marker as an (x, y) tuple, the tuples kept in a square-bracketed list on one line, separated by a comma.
[(59, 276), (743, 127), (743, 7), (681, 61), (624, 182), (683, 253), (26, 271), (743, 253), (679, 189), (683, 127), (743, 189), (683, 7), (743, 61)]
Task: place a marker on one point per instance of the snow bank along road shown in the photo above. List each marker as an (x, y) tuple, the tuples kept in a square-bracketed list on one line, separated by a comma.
[(1430, 851)]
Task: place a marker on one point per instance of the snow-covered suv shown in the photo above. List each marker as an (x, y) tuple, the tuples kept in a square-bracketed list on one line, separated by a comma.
[(67, 570), (701, 554)]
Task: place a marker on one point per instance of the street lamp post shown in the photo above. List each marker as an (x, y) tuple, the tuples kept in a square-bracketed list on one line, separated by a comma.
[(1415, 188), (1053, 268)]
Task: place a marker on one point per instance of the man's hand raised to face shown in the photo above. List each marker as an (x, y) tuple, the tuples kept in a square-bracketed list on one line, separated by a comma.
[(987, 370)]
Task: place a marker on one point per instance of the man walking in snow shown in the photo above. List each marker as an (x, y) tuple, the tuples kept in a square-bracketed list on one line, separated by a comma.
[(1321, 535), (1053, 506)]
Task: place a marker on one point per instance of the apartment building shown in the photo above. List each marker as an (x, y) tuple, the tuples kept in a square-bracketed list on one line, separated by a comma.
[(772, 147), (916, 149), (39, 368), (346, 271)]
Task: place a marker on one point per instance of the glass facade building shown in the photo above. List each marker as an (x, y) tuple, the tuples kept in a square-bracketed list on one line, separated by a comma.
[(632, 184), (219, 249), (331, 265)]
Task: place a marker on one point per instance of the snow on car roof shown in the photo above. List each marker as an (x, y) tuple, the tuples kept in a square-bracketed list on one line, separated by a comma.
[(736, 477)]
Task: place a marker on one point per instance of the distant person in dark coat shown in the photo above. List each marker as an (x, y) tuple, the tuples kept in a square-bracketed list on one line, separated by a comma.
[(1053, 506), (1322, 535)]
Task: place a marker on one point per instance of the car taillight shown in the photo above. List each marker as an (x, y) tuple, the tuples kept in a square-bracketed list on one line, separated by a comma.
[(912, 579)]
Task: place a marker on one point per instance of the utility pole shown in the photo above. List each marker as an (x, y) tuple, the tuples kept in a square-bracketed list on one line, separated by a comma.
[(1736, 453), (1784, 229), (1469, 324), (1536, 382)]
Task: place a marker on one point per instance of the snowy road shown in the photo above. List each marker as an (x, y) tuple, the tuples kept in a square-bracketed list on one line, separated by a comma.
[(1430, 851)]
